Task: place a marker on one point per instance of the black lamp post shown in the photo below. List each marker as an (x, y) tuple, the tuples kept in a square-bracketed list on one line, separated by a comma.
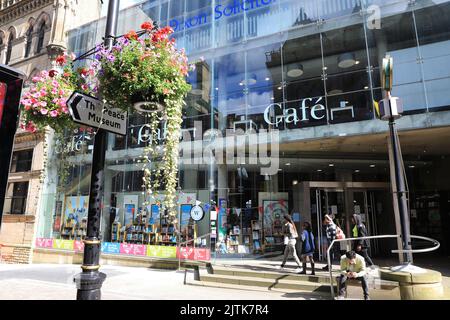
[(90, 281), (390, 109)]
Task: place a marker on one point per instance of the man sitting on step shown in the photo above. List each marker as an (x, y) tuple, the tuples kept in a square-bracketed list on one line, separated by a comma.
[(353, 266)]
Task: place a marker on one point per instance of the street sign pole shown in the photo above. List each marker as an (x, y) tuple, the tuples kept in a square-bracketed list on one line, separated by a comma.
[(391, 109), (90, 281)]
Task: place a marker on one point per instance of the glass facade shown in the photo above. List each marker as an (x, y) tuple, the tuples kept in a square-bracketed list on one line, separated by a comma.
[(283, 85)]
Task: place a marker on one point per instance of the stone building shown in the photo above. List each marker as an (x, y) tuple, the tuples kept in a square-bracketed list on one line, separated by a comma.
[(32, 35)]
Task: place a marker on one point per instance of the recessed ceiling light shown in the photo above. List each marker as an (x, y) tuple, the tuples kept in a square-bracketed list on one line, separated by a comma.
[(288, 164), (366, 87), (280, 169), (411, 166), (272, 98), (267, 79), (241, 84), (295, 70), (356, 62), (331, 165), (372, 166), (217, 88), (356, 170), (346, 60), (335, 91), (279, 88), (294, 182), (319, 170)]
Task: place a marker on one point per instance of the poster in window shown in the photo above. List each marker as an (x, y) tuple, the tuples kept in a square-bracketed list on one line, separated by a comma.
[(185, 210), (274, 211), (156, 215), (57, 217), (130, 203), (76, 208)]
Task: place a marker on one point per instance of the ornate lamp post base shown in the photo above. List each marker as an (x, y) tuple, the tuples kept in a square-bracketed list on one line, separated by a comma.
[(89, 285)]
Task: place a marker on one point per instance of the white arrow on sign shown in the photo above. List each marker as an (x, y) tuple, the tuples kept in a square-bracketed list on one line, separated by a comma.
[(88, 111)]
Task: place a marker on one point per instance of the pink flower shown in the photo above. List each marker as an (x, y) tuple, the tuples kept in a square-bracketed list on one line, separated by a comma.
[(43, 104), (44, 111), (62, 92), (54, 113), (55, 84), (65, 110), (84, 87), (62, 103), (36, 79), (43, 93), (30, 127)]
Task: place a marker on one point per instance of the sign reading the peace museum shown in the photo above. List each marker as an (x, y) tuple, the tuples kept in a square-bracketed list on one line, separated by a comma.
[(90, 111)]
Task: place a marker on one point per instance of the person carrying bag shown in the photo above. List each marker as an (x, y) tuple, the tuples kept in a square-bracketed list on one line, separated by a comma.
[(290, 240)]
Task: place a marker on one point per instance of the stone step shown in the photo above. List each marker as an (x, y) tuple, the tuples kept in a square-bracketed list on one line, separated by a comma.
[(284, 274), (267, 283), (316, 295)]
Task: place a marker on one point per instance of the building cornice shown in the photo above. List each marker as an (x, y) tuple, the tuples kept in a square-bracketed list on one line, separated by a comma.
[(27, 136), (20, 9)]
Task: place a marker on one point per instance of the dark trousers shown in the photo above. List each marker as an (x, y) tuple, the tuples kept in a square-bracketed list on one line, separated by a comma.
[(364, 253), (343, 285), (335, 253)]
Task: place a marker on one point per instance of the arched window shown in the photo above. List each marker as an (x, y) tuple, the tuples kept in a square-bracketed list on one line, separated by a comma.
[(41, 36), (29, 41), (9, 49)]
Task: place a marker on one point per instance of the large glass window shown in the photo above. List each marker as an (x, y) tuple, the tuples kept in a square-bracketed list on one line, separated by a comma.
[(433, 32), (21, 161), (29, 41), (346, 73), (41, 36), (18, 192), (397, 38)]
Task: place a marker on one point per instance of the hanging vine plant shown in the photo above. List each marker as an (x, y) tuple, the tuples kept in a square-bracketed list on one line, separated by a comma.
[(145, 70)]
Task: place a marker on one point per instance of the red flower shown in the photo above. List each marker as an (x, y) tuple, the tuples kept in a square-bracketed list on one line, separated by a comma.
[(147, 26), (167, 30), (131, 35), (52, 73), (83, 72), (61, 60)]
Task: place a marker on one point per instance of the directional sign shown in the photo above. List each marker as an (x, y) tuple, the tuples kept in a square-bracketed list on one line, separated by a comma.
[(88, 111)]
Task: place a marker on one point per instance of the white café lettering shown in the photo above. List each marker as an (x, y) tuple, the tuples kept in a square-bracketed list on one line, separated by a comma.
[(291, 115)]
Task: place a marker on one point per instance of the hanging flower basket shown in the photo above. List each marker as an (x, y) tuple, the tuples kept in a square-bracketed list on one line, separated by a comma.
[(146, 71), (147, 102), (44, 104), (142, 70)]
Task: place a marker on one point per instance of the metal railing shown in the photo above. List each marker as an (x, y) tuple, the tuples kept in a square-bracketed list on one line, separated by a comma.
[(186, 244), (435, 247)]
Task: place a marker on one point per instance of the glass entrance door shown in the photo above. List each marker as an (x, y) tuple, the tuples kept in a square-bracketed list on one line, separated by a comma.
[(326, 201)]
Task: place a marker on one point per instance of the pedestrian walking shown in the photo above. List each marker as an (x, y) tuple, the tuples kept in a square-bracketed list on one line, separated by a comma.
[(308, 247), (290, 235), (361, 246), (330, 232), (353, 266)]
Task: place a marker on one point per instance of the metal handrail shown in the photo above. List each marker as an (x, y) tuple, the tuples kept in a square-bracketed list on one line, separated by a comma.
[(186, 243), (435, 247)]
